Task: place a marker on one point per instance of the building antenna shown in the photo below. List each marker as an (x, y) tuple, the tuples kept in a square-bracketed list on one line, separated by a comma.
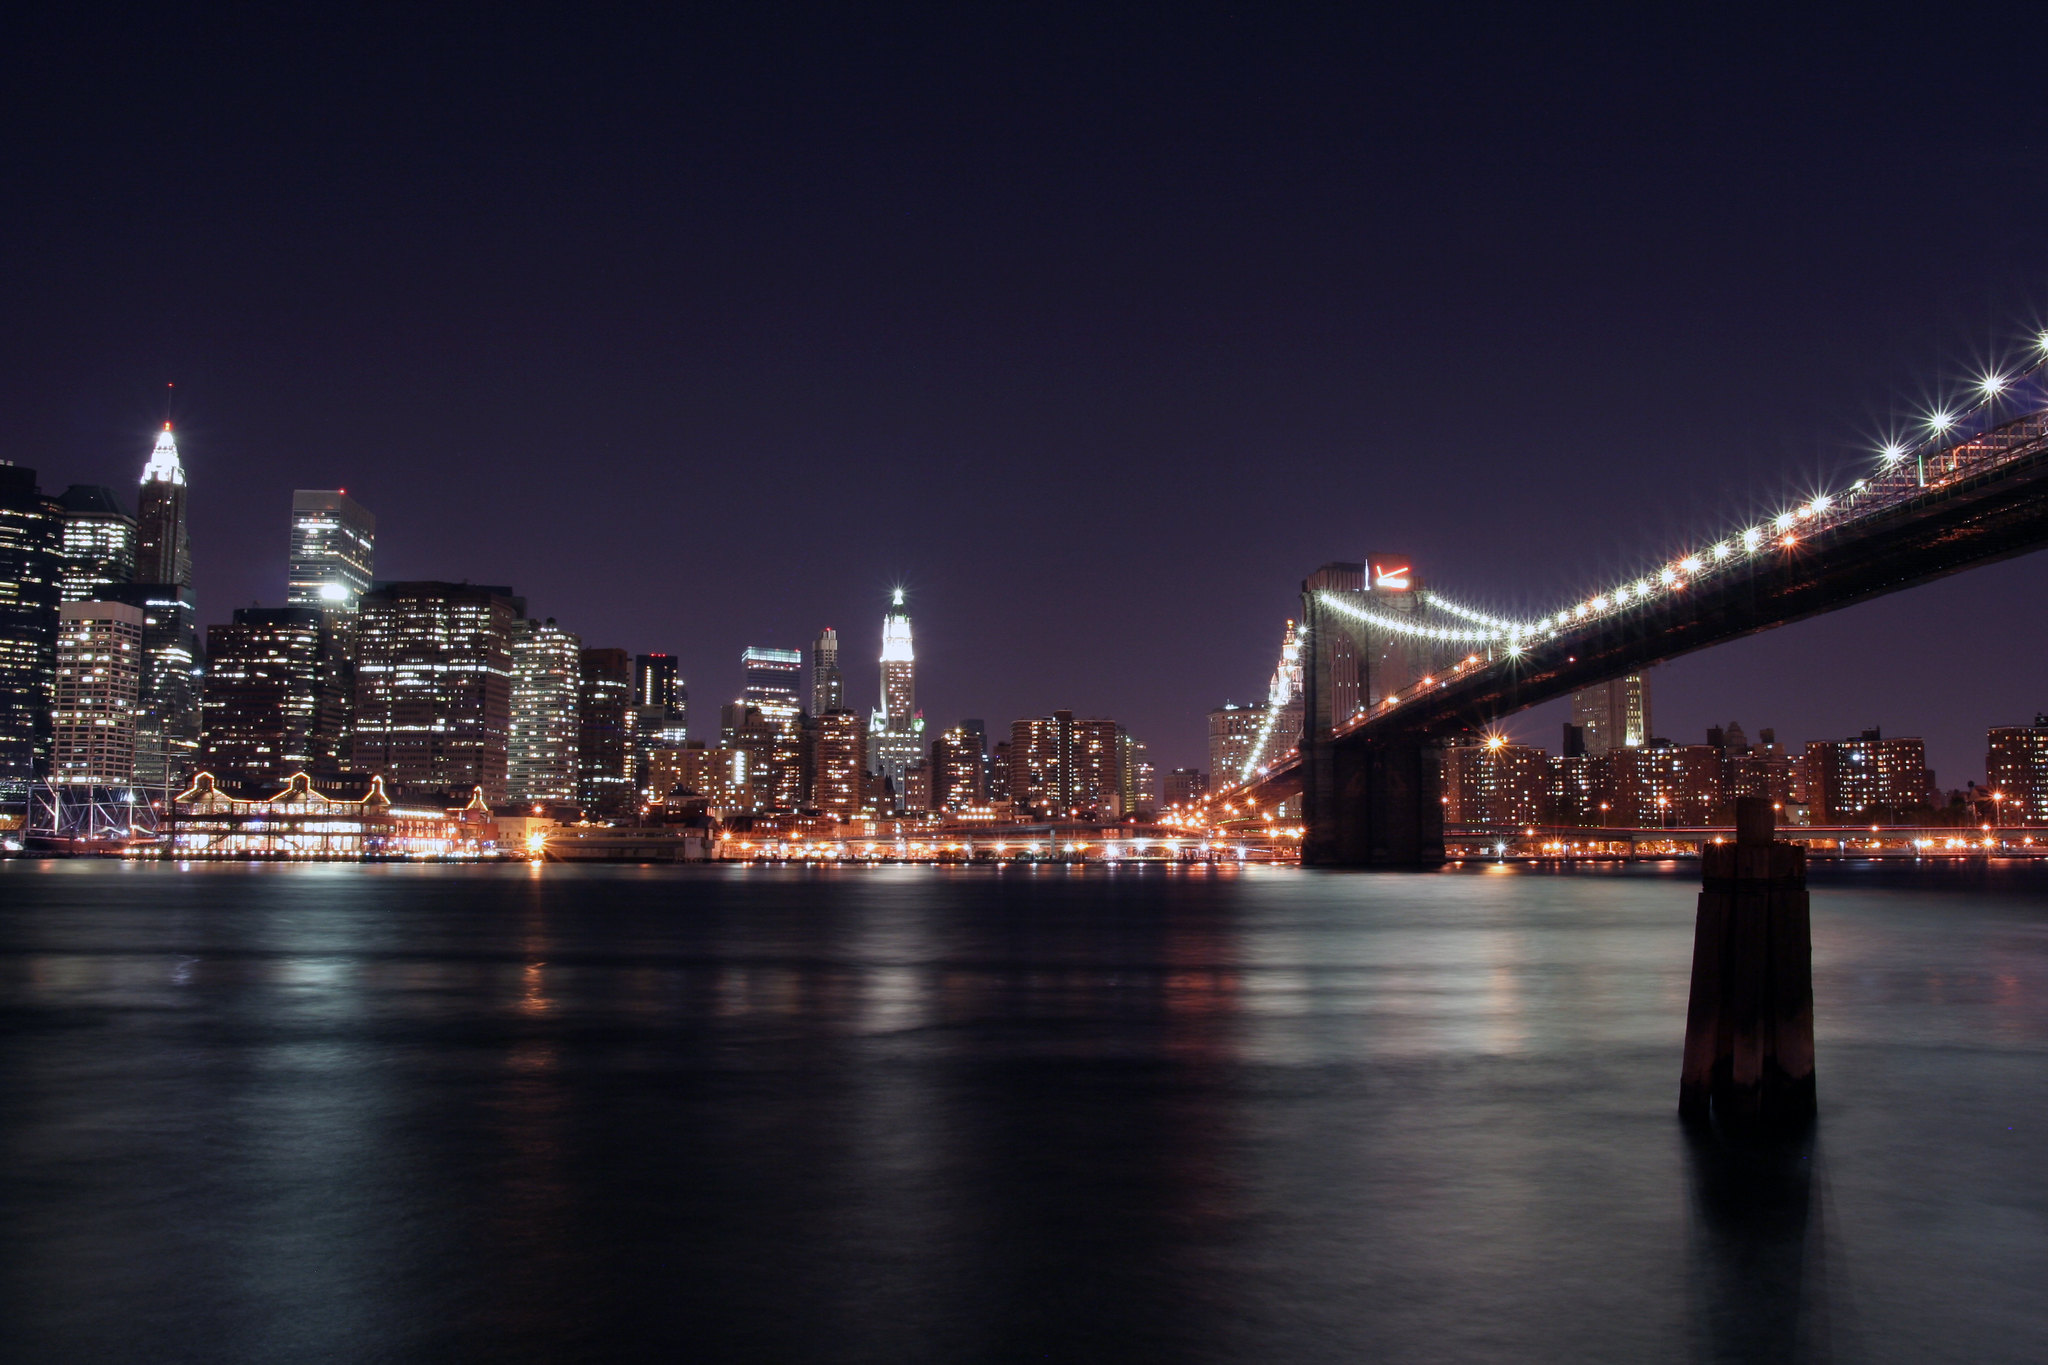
[(170, 392)]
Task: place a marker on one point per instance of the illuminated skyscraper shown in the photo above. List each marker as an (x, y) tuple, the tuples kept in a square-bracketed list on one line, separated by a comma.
[(167, 728), (99, 542), (1062, 768), (271, 699), (960, 767), (434, 685), (99, 677), (604, 775), (1614, 715), (774, 688), (163, 545), (659, 717), (30, 537), (168, 722), (1137, 780), (895, 730), (546, 682), (828, 685), (334, 550), (841, 764), (1233, 730)]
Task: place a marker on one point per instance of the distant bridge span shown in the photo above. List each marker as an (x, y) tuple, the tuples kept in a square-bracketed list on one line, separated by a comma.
[(1368, 780)]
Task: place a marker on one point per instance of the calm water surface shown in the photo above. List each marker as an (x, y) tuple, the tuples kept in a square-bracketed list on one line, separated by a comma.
[(386, 1113)]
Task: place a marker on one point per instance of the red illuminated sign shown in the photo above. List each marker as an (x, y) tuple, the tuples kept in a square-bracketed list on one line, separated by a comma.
[(1391, 574)]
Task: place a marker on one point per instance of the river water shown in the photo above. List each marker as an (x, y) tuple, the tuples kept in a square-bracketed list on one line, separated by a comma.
[(311, 1113)]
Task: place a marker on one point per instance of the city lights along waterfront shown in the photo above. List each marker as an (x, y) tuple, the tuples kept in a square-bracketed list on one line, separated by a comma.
[(1246, 684), (371, 718)]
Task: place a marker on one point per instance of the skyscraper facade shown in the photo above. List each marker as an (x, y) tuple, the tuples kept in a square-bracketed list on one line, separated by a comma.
[(774, 686), (333, 551), (1614, 715), (98, 549), (167, 727), (1062, 768), (30, 538), (604, 699), (163, 544), (960, 767), (1233, 730), (828, 684), (1138, 780), (434, 685), (168, 721), (99, 677), (896, 730), (271, 699), (841, 764), (657, 719), (546, 684)]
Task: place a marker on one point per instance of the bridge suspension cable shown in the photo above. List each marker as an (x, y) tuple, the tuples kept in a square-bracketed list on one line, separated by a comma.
[(2007, 408)]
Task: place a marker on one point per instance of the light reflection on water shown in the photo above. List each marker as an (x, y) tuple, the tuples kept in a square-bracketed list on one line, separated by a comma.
[(280, 1113)]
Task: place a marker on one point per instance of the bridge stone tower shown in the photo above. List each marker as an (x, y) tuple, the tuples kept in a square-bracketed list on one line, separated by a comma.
[(1365, 801)]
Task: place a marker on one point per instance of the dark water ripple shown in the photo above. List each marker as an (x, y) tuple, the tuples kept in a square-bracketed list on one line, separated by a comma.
[(387, 1113)]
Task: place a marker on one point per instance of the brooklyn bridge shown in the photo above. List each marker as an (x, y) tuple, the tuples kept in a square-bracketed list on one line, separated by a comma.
[(1389, 671)]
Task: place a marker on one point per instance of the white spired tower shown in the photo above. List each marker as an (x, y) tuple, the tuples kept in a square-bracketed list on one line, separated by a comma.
[(895, 730)]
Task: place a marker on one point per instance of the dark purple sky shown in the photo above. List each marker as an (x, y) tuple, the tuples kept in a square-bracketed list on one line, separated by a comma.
[(1096, 332)]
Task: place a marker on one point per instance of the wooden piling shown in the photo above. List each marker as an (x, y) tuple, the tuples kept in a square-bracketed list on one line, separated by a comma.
[(1749, 1021)]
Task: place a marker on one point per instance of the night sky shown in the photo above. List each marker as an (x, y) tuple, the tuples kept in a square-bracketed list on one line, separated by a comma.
[(1095, 332)]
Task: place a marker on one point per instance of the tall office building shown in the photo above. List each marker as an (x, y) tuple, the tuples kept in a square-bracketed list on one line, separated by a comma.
[(434, 685), (896, 730), (604, 699), (960, 767), (842, 764), (98, 549), (31, 535), (658, 718), (828, 684), (1233, 730), (1614, 715), (1062, 768), (1137, 780), (333, 552), (167, 728), (655, 678), (272, 698), (774, 681), (546, 722), (163, 545), (99, 677), (168, 722)]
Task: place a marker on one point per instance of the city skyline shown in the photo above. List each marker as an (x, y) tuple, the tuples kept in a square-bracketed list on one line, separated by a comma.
[(86, 507), (1581, 331)]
